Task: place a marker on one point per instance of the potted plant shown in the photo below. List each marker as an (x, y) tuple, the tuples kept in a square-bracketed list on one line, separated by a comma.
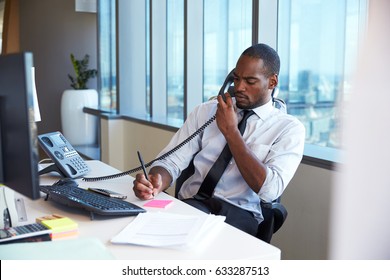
[(78, 127)]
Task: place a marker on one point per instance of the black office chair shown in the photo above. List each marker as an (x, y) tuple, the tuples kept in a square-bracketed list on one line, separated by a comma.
[(274, 214)]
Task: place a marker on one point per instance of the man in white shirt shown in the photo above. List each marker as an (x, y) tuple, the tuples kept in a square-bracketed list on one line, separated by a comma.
[(264, 159)]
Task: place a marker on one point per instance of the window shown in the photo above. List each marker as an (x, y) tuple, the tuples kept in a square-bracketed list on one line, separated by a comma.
[(318, 43), (175, 57), (107, 55), (182, 52), (148, 62), (227, 33)]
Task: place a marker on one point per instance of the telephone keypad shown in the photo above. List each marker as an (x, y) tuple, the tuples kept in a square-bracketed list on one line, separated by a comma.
[(79, 164)]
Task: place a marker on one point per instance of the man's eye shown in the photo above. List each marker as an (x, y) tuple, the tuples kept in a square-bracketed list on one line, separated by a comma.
[(251, 81)]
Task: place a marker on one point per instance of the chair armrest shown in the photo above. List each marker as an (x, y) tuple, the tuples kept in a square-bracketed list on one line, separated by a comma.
[(280, 215)]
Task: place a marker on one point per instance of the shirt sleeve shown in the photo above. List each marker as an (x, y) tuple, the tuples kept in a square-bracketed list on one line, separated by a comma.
[(283, 160)]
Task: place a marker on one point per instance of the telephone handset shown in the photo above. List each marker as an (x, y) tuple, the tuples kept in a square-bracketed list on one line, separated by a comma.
[(67, 162), (226, 87)]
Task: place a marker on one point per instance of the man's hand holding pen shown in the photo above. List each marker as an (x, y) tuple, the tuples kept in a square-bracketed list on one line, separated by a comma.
[(146, 189), (145, 185)]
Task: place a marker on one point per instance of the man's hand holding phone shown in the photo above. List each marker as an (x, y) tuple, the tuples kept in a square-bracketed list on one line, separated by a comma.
[(226, 115)]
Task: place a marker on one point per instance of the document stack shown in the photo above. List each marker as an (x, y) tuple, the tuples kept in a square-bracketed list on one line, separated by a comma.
[(161, 229)]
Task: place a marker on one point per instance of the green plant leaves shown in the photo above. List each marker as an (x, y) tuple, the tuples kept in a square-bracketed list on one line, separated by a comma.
[(82, 73)]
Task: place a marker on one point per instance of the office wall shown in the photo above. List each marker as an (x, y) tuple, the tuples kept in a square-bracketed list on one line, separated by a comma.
[(51, 30), (305, 232), (120, 151), (10, 26)]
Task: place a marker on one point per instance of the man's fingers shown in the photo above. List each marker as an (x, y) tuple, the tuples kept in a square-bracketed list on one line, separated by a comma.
[(142, 187)]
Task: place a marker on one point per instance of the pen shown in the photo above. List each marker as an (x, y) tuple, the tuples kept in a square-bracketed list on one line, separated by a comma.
[(143, 166)]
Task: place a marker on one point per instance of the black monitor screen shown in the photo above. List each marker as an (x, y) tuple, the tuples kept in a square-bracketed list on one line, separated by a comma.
[(18, 134)]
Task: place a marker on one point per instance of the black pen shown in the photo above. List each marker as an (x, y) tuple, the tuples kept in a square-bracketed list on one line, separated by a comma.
[(143, 167)]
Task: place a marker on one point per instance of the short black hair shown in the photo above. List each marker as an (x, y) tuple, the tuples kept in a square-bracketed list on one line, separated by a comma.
[(269, 56)]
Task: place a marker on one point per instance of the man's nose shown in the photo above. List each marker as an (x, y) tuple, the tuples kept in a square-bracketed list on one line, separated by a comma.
[(239, 85)]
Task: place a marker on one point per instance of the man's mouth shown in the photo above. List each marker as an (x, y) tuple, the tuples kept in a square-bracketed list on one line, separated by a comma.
[(240, 97)]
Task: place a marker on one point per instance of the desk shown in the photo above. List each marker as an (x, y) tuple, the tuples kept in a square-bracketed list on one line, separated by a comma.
[(230, 244)]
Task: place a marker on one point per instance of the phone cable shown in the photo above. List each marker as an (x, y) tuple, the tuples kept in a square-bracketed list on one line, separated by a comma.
[(163, 156)]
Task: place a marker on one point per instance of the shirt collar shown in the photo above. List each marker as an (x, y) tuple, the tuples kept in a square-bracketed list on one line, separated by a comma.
[(263, 111)]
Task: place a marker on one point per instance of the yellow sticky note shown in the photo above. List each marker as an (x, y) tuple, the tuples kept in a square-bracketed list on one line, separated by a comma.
[(60, 225)]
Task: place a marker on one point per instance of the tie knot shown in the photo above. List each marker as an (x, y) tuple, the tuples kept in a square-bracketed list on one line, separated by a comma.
[(242, 124), (247, 114)]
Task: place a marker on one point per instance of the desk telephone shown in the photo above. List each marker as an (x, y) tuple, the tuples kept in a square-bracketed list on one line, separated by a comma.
[(66, 160), (226, 87)]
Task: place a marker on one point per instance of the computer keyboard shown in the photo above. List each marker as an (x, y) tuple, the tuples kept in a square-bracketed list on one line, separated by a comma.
[(68, 193)]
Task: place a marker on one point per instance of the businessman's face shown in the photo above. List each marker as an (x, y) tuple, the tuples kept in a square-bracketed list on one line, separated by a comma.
[(253, 87)]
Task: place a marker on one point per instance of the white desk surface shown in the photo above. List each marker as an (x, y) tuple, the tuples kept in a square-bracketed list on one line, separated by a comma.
[(229, 244)]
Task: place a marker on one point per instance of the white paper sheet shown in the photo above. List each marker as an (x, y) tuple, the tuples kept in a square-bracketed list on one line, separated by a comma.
[(168, 230)]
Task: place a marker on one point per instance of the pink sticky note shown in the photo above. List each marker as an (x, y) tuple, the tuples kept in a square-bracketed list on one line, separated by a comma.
[(159, 203)]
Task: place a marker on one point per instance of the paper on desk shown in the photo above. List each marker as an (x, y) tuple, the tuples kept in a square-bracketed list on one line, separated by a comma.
[(168, 230)]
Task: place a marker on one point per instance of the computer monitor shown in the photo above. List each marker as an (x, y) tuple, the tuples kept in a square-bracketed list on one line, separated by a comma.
[(18, 132)]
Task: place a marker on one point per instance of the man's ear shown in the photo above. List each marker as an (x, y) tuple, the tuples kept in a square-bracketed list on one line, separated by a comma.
[(273, 81)]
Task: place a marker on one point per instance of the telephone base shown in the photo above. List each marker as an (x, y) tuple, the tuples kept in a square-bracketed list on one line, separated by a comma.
[(51, 168)]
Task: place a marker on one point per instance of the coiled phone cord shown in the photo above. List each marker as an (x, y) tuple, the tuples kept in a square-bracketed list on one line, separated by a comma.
[(225, 87), (163, 156)]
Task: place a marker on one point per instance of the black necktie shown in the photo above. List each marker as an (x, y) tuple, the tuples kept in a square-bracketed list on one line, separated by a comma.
[(216, 171)]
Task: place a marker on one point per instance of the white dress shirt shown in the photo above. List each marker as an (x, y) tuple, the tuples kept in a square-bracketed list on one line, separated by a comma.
[(276, 138)]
